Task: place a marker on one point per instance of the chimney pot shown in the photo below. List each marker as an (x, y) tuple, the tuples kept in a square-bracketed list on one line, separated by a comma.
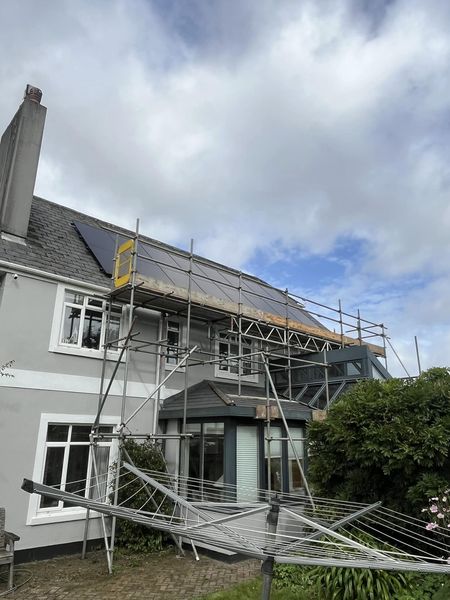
[(33, 93)]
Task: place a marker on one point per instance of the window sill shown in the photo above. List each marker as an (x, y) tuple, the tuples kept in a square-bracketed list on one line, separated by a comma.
[(234, 377), (85, 352), (172, 368), (60, 516)]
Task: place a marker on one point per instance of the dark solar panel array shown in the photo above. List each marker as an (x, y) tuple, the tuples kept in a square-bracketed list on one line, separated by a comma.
[(171, 267)]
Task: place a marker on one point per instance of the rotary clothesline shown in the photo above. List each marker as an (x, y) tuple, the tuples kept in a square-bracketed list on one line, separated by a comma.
[(328, 532)]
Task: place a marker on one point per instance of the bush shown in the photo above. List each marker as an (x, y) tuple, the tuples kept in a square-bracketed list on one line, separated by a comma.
[(385, 440), (134, 536)]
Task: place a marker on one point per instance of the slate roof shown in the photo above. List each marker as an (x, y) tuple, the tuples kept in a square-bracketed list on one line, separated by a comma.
[(54, 246), (213, 398)]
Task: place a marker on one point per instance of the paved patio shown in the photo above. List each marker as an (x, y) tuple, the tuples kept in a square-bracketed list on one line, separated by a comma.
[(152, 577)]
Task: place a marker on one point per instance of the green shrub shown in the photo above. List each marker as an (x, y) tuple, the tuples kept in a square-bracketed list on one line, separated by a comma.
[(291, 577), (134, 536), (338, 583), (385, 440)]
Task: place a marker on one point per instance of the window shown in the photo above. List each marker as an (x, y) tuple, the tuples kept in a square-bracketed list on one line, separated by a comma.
[(295, 477), (273, 466), (64, 460), (85, 319), (206, 461), (228, 346), (173, 343), (69, 464), (81, 325)]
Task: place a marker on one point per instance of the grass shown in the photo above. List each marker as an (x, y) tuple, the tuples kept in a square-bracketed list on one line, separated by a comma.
[(251, 590)]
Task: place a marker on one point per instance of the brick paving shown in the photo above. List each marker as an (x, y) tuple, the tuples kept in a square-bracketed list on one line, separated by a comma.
[(137, 577)]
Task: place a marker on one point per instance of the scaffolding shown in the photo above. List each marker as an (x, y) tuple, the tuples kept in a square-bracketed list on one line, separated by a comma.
[(283, 328)]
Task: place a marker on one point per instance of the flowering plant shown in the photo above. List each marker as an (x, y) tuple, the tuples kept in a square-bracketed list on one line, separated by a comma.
[(438, 511)]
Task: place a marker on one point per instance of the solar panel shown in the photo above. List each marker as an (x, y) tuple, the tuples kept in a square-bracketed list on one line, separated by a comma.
[(170, 267)]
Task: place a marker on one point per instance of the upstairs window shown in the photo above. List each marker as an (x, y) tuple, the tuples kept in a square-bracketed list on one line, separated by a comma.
[(173, 343), (229, 367), (84, 321)]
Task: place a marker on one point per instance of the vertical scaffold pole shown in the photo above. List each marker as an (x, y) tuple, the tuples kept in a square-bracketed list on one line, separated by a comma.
[(240, 335), (288, 344), (417, 354), (359, 328), (93, 445), (327, 389), (341, 323), (267, 566), (125, 384), (268, 438), (184, 441), (383, 333)]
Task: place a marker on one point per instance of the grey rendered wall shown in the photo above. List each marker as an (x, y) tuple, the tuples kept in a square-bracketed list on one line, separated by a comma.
[(26, 314)]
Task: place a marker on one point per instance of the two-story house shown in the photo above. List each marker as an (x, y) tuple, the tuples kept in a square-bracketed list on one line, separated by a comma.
[(88, 307)]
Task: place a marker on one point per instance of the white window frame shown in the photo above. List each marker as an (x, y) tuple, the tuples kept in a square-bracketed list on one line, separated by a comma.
[(226, 373), (56, 343), (41, 516), (170, 366)]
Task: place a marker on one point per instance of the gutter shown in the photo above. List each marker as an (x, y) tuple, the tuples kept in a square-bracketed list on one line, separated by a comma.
[(37, 273)]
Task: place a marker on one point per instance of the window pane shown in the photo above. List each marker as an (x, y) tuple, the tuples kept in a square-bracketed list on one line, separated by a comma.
[(91, 329), (80, 433), (194, 484), (113, 331), (95, 302), (104, 430), (99, 484), (354, 367), (73, 297), (71, 326), (295, 477), (275, 474), (213, 428), (193, 427), (52, 473), (296, 433), (57, 433), (275, 444), (213, 467), (173, 341), (276, 480), (77, 469)]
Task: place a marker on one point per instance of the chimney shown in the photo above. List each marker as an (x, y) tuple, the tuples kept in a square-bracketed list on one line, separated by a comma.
[(20, 147)]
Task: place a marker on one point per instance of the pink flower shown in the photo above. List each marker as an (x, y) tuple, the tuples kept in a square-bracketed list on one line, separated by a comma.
[(431, 526), (434, 508), (440, 516)]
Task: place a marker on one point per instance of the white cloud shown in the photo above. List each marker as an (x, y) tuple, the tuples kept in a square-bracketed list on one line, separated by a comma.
[(252, 125)]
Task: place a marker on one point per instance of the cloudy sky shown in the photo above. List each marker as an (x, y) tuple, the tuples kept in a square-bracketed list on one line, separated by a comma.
[(305, 141)]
